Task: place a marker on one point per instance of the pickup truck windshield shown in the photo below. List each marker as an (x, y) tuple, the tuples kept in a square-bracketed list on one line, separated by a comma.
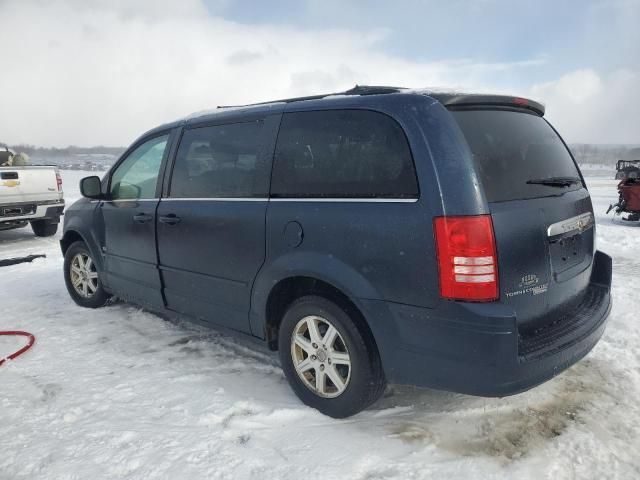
[(518, 155)]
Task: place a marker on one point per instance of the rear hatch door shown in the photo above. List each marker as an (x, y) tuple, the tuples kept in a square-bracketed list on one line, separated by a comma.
[(542, 213)]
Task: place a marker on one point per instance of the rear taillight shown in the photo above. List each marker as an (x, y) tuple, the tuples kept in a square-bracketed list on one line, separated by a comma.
[(467, 258), (59, 181)]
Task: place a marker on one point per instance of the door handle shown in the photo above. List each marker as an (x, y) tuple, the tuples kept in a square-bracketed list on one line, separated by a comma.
[(171, 219), (142, 218)]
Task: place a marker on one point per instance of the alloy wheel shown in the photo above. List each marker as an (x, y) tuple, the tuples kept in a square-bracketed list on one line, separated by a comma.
[(320, 356), (84, 276)]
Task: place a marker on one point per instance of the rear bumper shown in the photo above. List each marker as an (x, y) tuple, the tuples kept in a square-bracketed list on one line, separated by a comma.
[(33, 211), (477, 349)]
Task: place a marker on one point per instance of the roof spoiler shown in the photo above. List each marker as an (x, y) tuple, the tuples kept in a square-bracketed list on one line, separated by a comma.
[(446, 98), (470, 100)]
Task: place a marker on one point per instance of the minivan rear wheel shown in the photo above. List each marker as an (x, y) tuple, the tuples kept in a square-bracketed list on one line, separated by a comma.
[(329, 362)]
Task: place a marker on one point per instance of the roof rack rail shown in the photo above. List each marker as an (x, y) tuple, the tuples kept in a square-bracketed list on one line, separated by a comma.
[(284, 100), (357, 90)]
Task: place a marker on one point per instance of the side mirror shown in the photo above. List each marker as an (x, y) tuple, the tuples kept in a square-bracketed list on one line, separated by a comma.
[(91, 187)]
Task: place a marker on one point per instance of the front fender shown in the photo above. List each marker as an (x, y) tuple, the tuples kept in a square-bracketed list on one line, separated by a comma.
[(79, 221), (87, 238)]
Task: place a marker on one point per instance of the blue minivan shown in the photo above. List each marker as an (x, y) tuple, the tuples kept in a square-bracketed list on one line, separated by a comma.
[(380, 235)]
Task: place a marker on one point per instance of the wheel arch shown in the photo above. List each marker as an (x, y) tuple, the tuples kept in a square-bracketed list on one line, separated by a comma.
[(311, 272), (289, 289), (69, 237), (72, 235)]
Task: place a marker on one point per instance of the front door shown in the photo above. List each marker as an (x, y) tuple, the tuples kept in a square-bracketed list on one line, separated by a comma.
[(129, 243), (211, 225)]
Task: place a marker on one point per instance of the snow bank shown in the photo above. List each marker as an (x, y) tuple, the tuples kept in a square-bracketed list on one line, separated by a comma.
[(122, 393)]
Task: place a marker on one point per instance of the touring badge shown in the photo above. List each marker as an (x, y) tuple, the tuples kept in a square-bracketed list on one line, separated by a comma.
[(529, 284)]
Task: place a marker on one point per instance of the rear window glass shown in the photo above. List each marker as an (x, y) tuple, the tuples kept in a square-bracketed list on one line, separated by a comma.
[(511, 148), (342, 154)]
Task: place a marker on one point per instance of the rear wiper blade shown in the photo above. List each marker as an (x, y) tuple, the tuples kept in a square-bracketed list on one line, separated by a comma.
[(555, 181)]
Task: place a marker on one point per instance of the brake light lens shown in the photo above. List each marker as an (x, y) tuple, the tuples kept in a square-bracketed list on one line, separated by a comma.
[(467, 258), (59, 181)]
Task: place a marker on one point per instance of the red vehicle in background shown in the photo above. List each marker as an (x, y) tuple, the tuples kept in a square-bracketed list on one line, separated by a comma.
[(628, 172)]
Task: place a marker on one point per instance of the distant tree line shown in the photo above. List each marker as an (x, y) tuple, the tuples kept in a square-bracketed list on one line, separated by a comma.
[(584, 152), (34, 151), (604, 154)]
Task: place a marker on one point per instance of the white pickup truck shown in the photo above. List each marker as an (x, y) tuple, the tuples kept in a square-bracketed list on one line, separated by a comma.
[(31, 194)]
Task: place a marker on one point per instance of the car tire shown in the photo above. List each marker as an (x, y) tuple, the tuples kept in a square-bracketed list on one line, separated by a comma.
[(82, 277), (44, 228), (308, 348)]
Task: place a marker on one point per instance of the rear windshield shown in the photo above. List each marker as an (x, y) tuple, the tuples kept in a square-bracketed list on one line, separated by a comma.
[(511, 148)]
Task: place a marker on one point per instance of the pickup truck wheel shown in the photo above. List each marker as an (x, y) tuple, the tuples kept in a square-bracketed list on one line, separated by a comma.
[(330, 363), (44, 228), (82, 277)]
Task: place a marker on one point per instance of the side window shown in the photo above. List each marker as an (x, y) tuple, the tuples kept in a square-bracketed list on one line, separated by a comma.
[(221, 161), (137, 176), (342, 154)]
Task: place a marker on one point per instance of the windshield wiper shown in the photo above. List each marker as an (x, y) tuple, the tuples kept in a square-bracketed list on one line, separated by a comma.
[(555, 181)]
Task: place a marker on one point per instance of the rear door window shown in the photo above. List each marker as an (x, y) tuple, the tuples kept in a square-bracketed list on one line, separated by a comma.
[(221, 161), (512, 148), (342, 154)]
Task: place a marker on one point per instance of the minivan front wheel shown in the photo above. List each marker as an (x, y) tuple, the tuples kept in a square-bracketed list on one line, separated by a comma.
[(82, 277), (330, 363)]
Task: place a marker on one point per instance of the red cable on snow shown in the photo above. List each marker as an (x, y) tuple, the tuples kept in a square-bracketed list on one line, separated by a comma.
[(30, 336)]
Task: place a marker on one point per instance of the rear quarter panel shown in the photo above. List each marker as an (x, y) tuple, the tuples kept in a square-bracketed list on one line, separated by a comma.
[(377, 250)]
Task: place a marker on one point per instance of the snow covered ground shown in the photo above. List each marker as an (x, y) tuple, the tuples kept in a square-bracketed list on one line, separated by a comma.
[(121, 393)]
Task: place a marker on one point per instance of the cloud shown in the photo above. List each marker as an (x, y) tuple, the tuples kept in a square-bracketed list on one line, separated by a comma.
[(102, 72), (243, 56), (587, 107)]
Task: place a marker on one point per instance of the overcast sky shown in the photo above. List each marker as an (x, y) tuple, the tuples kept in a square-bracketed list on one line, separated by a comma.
[(89, 72)]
